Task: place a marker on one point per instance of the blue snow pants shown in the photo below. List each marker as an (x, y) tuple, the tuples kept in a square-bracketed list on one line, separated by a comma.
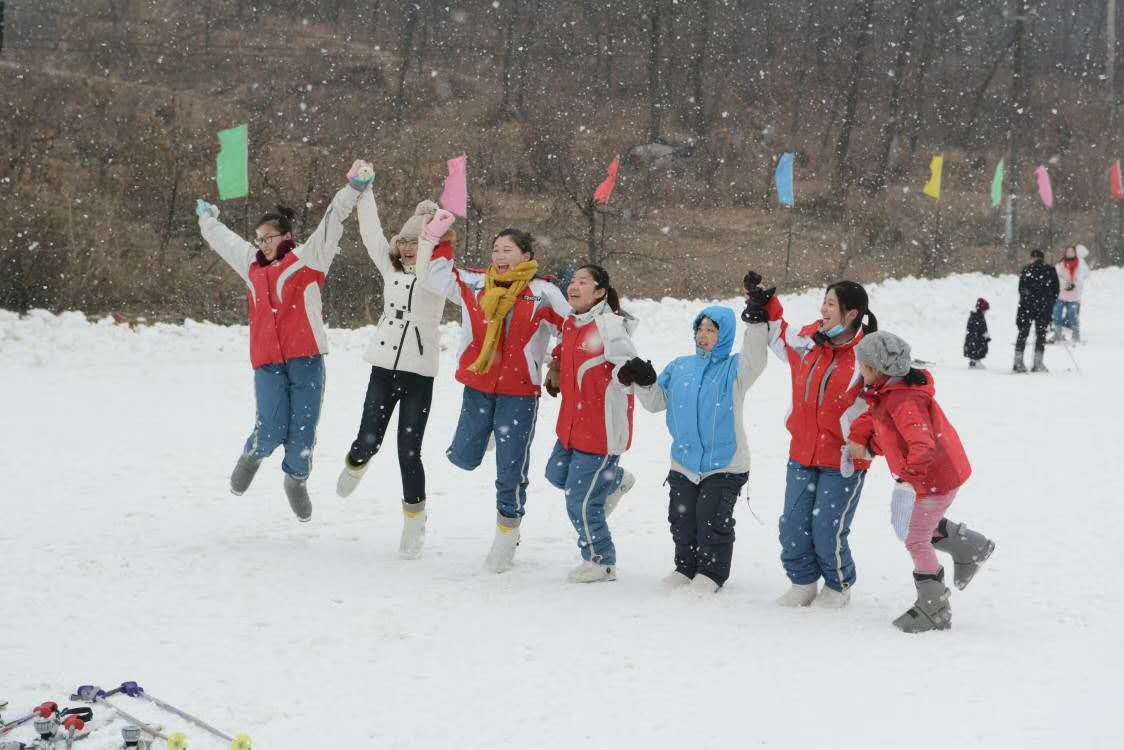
[(587, 479), (819, 505), (288, 398), (512, 420)]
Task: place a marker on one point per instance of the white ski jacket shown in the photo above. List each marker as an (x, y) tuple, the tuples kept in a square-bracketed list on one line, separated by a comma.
[(407, 336)]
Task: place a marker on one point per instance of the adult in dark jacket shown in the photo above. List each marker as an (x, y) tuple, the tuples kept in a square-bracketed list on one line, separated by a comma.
[(1038, 289), (977, 338)]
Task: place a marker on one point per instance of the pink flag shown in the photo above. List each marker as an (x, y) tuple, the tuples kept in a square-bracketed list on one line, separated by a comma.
[(455, 195), (1115, 182), (1044, 188), (605, 190)]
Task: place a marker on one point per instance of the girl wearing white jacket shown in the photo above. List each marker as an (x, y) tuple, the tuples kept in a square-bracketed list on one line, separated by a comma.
[(1072, 272), (403, 353)]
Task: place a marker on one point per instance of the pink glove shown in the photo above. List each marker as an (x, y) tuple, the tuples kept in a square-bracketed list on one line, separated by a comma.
[(361, 175), (438, 225)]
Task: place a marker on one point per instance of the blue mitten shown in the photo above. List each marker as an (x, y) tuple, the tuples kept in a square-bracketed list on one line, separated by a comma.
[(203, 208)]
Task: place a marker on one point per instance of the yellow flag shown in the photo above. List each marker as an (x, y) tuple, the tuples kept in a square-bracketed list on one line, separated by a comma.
[(933, 186)]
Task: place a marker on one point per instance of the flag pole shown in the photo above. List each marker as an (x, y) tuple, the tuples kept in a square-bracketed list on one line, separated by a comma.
[(788, 249)]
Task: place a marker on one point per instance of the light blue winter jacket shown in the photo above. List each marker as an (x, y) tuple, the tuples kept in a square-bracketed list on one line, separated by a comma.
[(703, 394)]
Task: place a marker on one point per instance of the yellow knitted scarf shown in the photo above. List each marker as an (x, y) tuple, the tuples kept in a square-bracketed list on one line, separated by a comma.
[(501, 292)]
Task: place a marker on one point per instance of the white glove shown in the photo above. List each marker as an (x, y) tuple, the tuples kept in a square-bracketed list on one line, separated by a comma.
[(901, 508), (203, 208)]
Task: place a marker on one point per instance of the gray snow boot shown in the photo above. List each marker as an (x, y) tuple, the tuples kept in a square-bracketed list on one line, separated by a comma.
[(1020, 363), (968, 549), (243, 473), (1039, 365), (297, 492), (931, 611)]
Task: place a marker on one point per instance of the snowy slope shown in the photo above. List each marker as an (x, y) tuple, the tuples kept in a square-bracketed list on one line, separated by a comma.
[(125, 557)]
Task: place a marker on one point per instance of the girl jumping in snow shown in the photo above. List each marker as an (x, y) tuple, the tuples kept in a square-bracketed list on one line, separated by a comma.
[(508, 316), (287, 336), (703, 395), (906, 425), (820, 498), (403, 354), (597, 365)]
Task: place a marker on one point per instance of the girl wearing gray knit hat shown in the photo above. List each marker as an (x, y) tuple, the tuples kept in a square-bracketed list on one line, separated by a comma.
[(403, 353), (905, 424)]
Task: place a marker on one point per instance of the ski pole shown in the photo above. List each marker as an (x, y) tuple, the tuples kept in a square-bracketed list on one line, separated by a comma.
[(94, 694), (50, 707), (1065, 345), (72, 724), (133, 690)]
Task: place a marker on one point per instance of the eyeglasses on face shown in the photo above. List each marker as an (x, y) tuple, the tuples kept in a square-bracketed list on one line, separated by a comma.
[(261, 241)]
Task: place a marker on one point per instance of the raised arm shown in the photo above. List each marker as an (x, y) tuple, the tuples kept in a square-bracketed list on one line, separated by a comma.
[(433, 254), (762, 315), (320, 249), (370, 229), (237, 253)]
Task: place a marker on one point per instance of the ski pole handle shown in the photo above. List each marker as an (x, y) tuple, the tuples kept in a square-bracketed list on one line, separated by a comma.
[(85, 713), (131, 689)]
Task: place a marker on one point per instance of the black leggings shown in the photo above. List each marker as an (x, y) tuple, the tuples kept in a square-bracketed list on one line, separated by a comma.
[(387, 389)]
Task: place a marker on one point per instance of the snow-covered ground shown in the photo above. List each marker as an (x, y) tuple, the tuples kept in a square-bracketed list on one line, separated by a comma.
[(124, 556)]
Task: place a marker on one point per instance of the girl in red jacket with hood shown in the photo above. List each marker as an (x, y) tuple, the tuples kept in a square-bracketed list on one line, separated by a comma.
[(906, 425)]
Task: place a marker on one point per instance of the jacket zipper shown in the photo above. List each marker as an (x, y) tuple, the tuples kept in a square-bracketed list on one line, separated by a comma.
[(405, 328), (421, 349)]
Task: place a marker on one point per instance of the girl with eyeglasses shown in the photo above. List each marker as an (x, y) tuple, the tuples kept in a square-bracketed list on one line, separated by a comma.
[(288, 339)]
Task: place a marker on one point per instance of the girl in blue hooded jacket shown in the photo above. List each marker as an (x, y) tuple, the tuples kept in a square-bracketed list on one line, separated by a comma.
[(703, 395)]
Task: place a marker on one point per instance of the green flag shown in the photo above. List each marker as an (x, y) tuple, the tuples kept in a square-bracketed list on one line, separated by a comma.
[(232, 167), (997, 185)]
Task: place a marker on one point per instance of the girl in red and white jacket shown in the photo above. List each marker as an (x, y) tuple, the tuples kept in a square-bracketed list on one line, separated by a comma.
[(906, 425), (508, 315), (597, 365), (287, 336), (822, 489)]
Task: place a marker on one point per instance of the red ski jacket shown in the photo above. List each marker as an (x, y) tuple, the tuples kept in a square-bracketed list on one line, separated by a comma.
[(906, 425), (825, 383)]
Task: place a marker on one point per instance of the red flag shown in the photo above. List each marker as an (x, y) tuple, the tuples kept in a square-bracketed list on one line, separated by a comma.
[(1114, 179), (604, 191)]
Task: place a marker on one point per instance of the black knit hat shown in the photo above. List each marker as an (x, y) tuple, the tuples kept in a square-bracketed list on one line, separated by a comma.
[(1038, 254)]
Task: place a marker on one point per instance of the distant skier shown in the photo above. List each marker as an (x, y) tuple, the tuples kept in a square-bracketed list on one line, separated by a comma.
[(906, 425), (977, 338), (1072, 272), (1038, 289), (287, 337)]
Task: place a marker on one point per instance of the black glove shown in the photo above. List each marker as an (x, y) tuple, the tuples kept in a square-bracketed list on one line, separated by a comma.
[(1070, 287), (553, 378), (637, 371), (756, 298)]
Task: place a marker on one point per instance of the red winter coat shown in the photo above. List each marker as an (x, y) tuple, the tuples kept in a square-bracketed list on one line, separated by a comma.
[(825, 383), (596, 411), (907, 426), (283, 297), (536, 316)]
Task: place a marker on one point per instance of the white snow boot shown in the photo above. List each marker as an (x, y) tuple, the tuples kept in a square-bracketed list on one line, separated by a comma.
[(627, 483), (350, 477), (501, 557), (969, 549), (413, 531), (704, 585), (798, 595), (931, 611), (297, 492), (243, 473), (674, 580), (1039, 364), (591, 572), (829, 598), (1020, 361)]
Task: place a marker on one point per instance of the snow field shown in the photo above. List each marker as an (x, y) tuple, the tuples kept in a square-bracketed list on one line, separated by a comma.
[(125, 557)]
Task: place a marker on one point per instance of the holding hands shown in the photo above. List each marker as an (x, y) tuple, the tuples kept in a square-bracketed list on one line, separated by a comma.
[(637, 371), (361, 175), (760, 303)]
